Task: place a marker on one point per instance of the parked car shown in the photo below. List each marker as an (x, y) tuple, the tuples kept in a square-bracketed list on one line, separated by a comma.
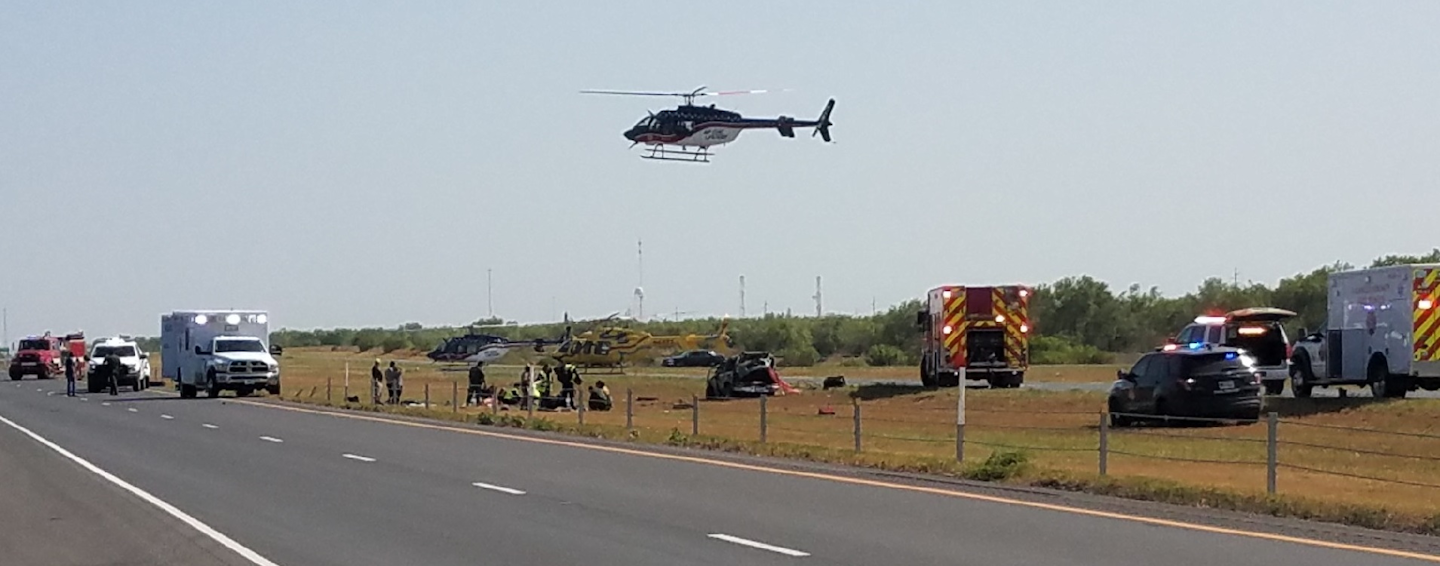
[(1256, 330), (1193, 381), (693, 359)]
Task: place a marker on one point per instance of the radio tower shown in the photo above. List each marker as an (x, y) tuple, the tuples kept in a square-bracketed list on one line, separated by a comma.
[(742, 296), (640, 286), (819, 307)]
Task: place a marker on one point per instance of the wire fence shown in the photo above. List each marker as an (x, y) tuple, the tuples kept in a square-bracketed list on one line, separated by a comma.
[(1237, 449)]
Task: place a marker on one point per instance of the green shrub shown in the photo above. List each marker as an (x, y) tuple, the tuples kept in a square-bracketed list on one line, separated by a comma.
[(884, 355), (1058, 350), (1001, 465)]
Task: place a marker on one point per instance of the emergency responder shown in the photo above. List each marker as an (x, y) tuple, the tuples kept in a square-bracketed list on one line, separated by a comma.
[(569, 376), (377, 378), (69, 374), (599, 397), (114, 368), (476, 390)]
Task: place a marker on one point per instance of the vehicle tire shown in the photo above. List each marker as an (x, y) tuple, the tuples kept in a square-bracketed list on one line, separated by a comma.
[(1382, 383), (1274, 388), (1117, 420), (1016, 380), (187, 391), (948, 379), (15, 376), (727, 389), (997, 382), (1301, 377), (927, 377), (273, 390), (243, 392)]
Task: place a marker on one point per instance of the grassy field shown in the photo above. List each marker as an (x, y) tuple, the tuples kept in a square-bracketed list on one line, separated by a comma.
[(907, 427)]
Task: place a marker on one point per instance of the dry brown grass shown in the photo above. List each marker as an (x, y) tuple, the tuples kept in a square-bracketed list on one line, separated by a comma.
[(910, 428)]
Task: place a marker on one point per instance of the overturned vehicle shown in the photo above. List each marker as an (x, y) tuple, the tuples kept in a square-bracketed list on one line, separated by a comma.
[(750, 374)]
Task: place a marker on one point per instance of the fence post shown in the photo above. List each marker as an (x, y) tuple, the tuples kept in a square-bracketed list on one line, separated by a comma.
[(1272, 456), (454, 396), (495, 401), (347, 383), (856, 404), (327, 390), (1104, 442), (427, 395), (694, 415), (764, 426), (960, 421), (580, 409), (629, 409), (530, 402)]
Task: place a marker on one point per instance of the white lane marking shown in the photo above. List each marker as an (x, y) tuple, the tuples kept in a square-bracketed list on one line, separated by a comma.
[(760, 545), (84, 398), (360, 458), (219, 537), (271, 439), (49, 393), (500, 489), (210, 426), (105, 404), (167, 417), (37, 389), (133, 410)]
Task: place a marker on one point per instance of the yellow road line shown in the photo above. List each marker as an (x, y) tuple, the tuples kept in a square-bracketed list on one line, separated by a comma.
[(870, 483)]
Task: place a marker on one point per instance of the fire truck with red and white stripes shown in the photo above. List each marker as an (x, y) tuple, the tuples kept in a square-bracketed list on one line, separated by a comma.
[(979, 333)]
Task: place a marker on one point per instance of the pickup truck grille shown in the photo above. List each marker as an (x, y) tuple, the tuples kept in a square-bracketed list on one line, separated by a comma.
[(249, 367)]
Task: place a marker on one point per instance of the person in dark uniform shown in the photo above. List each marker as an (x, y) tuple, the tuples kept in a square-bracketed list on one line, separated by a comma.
[(568, 376), (113, 368), (476, 390), (69, 374)]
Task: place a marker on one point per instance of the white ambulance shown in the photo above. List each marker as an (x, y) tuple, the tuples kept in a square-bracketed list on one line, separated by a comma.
[(1382, 331), (218, 350)]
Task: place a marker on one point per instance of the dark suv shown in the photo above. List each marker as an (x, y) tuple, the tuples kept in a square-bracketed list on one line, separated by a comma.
[(1201, 381)]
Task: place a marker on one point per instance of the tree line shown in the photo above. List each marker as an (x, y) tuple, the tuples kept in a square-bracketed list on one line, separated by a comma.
[(1075, 320)]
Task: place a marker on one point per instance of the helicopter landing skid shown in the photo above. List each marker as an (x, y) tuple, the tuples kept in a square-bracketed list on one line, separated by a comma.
[(674, 153)]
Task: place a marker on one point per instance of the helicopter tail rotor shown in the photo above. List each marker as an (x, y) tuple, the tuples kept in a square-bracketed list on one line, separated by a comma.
[(822, 125)]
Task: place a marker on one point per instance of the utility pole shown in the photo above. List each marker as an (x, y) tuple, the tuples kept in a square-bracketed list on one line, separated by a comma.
[(490, 292), (742, 296), (5, 317)]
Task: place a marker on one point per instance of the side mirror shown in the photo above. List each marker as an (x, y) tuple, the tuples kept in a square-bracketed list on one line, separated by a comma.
[(1304, 332), (1123, 375), (144, 356), (198, 351)]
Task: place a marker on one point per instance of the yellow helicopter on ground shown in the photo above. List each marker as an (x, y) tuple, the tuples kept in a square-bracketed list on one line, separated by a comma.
[(616, 346)]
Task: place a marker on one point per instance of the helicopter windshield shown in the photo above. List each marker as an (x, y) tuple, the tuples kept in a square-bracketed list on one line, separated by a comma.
[(645, 122)]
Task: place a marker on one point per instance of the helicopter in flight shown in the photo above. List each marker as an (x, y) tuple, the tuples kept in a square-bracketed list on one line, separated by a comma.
[(688, 132)]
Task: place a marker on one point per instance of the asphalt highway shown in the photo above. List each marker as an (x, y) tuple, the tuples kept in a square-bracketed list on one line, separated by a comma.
[(300, 487)]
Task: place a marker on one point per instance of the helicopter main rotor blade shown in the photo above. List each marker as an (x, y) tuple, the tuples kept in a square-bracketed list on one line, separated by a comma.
[(634, 93)]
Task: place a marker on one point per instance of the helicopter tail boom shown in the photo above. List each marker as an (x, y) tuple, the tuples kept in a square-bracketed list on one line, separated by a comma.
[(822, 125)]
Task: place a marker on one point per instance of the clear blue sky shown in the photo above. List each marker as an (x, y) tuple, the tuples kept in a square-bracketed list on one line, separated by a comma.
[(364, 163)]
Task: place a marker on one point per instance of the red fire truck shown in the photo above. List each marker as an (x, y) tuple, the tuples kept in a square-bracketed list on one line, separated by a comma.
[(980, 333), (41, 356)]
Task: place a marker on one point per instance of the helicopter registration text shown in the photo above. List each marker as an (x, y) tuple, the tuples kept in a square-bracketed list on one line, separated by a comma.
[(712, 135)]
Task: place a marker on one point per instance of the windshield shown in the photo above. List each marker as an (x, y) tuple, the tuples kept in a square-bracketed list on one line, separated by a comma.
[(34, 345), (122, 351), (239, 346)]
